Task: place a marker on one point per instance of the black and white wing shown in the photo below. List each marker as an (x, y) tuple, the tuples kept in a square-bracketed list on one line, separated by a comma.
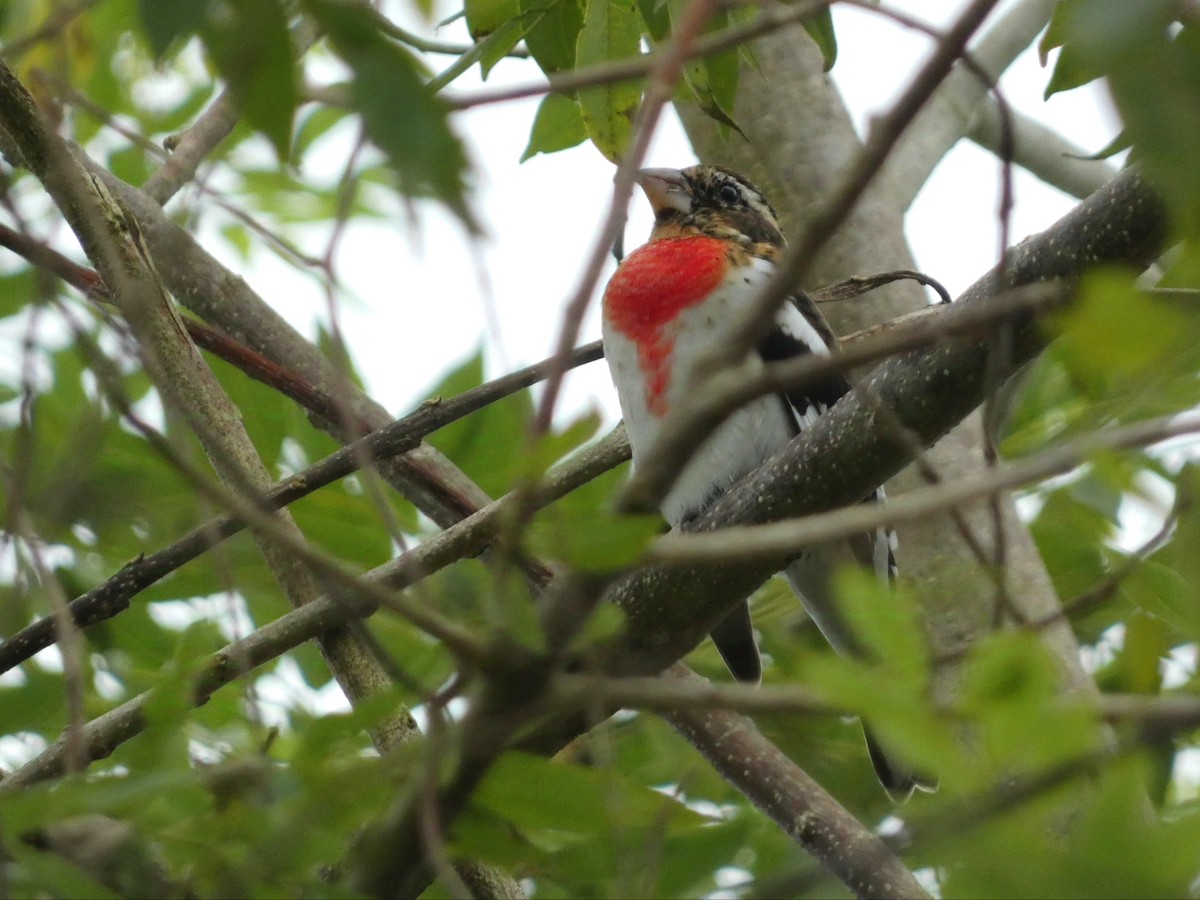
[(801, 329)]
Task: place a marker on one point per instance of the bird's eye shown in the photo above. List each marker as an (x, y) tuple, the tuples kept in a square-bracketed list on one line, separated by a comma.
[(729, 193)]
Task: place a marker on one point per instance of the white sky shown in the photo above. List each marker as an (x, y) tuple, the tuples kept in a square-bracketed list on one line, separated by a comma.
[(423, 304)]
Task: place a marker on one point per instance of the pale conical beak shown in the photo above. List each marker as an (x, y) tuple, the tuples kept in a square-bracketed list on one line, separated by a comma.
[(666, 189)]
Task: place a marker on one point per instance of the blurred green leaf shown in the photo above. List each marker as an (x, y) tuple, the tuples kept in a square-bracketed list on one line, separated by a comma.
[(1071, 535), (820, 28), (1127, 354), (489, 444), (17, 291), (166, 21), (487, 52), (314, 124), (485, 16), (549, 798), (612, 30), (656, 14), (557, 126), (601, 541), (35, 873), (1072, 69), (400, 114), (251, 45), (553, 30)]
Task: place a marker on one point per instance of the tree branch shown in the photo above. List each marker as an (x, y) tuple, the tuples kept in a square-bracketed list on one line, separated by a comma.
[(795, 802), (956, 105), (1042, 152), (779, 540)]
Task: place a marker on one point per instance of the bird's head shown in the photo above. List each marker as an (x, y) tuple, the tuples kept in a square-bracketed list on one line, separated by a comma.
[(709, 200)]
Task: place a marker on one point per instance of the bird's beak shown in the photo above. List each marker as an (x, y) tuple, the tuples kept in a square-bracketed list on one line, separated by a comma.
[(666, 189)]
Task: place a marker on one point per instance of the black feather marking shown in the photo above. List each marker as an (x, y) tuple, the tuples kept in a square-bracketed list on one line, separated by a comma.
[(734, 637), (818, 395)]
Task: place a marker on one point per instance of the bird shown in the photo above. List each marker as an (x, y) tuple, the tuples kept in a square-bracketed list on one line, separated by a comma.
[(669, 305)]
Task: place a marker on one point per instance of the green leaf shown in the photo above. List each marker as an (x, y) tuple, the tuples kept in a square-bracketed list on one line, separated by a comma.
[(1157, 92), (165, 21), (598, 541), (553, 32), (40, 874), (485, 16), (657, 16), (1055, 33), (612, 30), (251, 46), (698, 75), (1072, 69), (489, 444), (487, 52), (313, 126), (1128, 353), (557, 126), (820, 28), (18, 290), (1101, 37), (1070, 535), (537, 794), (400, 114)]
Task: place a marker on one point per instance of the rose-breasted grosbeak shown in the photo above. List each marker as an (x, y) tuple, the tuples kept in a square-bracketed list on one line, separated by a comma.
[(669, 304)]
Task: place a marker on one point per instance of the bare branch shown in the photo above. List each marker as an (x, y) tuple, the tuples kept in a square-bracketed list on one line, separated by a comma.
[(191, 147), (1043, 152), (957, 103), (795, 802)]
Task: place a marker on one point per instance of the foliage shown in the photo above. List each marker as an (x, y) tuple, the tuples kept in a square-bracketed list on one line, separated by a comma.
[(261, 789)]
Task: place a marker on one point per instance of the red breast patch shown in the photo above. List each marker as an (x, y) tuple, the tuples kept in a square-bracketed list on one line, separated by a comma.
[(650, 288)]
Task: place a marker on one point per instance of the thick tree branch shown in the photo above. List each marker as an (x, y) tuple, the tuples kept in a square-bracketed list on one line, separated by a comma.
[(794, 801), (777, 540)]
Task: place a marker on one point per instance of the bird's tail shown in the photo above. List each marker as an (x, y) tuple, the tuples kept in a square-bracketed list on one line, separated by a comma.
[(810, 576)]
